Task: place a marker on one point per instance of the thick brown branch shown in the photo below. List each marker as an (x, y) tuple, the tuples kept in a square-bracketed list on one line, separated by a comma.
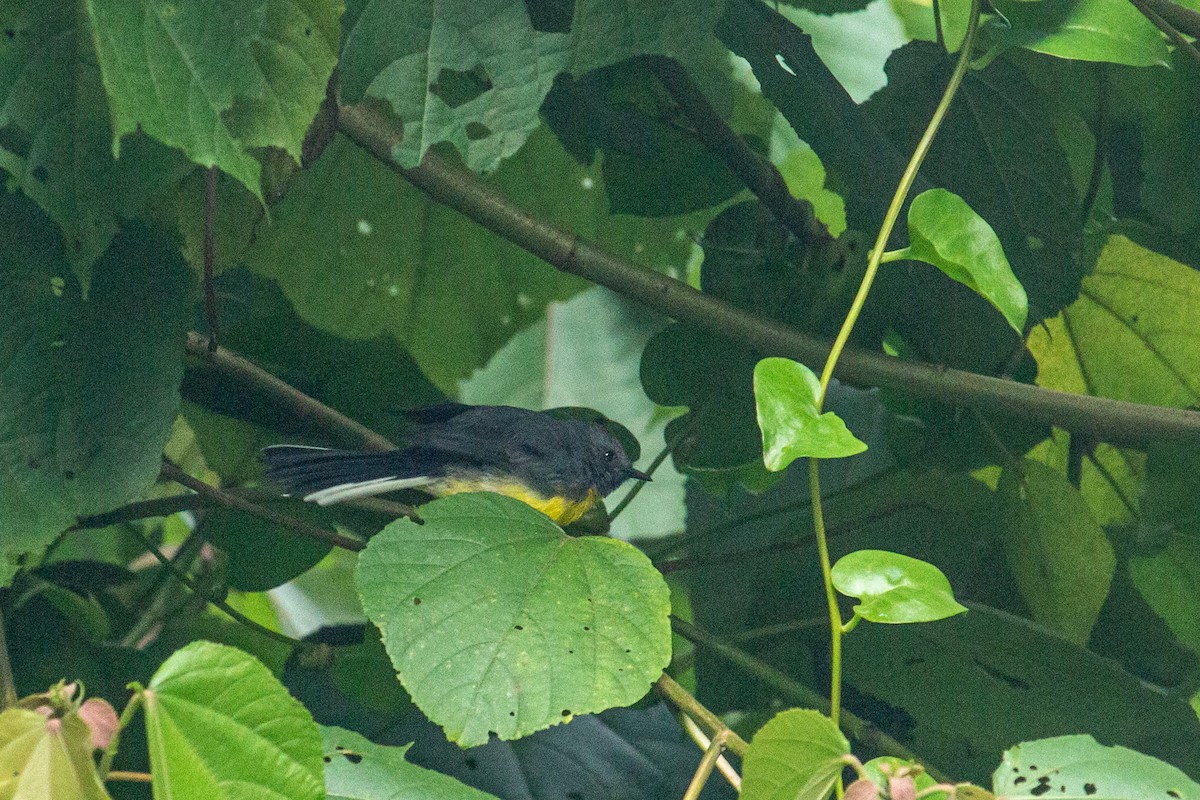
[(1099, 418), (1184, 20)]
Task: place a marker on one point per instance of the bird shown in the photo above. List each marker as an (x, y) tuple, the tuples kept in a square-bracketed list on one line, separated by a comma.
[(561, 467)]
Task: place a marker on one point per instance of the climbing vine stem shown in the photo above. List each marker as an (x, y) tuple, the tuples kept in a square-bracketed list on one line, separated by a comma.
[(878, 256)]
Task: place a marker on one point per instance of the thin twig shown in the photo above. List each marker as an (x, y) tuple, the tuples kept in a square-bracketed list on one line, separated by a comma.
[(232, 612), (1170, 30), (854, 726), (705, 768), (229, 500), (133, 777), (166, 595), (759, 174), (682, 699), (210, 257), (668, 448), (8, 688), (1101, 418), (1182, 19), (301, 405), (723, 765)]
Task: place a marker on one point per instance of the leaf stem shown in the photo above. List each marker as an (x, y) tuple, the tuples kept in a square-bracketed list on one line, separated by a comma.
[(852, 623), (682, 699), (132, 777), (110, 752), (839, 343), (895, 255)]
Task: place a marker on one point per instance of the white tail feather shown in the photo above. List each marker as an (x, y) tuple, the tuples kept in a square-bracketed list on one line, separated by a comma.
[(349, 491)]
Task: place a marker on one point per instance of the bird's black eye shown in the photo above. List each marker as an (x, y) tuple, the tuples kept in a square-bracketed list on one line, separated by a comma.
[(610, 455)]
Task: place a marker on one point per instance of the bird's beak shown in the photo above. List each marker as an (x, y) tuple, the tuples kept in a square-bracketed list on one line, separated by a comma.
[(637, 474)]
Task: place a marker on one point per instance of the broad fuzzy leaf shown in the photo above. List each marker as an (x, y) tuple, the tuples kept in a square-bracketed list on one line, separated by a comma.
[(51, 758), (500, 624), (221, 727), (798, 754), (1086, 30), (88, 390), (217, 80)]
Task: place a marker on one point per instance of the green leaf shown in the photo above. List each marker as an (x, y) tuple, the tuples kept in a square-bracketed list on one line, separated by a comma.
[(972, 685), (470, 72), (345, 249), (55, 135), (1059, 555), (219, 725), (499, 623), (880, 769), (263, 555), (42, 757), (997, 150), (944, 231), (1128, 336), (1079, 766), (358, 769), (1086, 30), (604, 33), (798, 754), (785, 395), (217, 81), (895, 588), (1170, 582), (90, 389)]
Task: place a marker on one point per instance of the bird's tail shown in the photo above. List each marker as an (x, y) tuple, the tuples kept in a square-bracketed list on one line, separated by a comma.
[(327, 476)]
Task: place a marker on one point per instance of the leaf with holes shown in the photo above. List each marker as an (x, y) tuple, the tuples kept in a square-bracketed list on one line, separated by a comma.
[(944, 231), (499, 623), (785, 394), (217, 81), (358, 769), (895, 588), (799, 754), (1079, 766), (221, 727)]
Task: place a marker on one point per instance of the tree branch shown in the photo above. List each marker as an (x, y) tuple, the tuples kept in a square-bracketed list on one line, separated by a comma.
[(1100, 418), (682, 699), (759, 174), (1167, 28), (302, 405), (173, 472), (1184, 20)]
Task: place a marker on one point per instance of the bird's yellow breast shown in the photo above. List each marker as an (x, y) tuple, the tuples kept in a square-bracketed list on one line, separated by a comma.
[(562, 510)]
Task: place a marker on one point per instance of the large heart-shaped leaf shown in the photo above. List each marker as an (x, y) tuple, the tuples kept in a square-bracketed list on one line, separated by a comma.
[(1079, 766), (798, 754), (499, 623), (221, 727)]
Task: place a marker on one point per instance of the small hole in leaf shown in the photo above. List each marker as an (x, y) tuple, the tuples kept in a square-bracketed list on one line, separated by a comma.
[(416, 601), (1089, 788), (518, 628), (1133, 318), (353, 758), (308, 31), (1020, 780), (477, 131), (471, 763), (328, 759), (1174, 793), (566, 712), (512, 713), (586, 628), (456, 88), (570, 652)]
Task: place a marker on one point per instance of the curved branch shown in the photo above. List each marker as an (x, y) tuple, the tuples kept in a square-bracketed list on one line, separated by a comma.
[(1099, 418)]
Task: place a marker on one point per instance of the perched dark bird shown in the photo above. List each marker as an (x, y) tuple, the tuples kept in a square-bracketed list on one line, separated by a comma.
[(561, 467)]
